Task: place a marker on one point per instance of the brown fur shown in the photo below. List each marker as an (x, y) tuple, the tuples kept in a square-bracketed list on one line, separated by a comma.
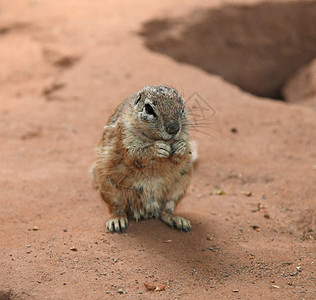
[(141, 170)]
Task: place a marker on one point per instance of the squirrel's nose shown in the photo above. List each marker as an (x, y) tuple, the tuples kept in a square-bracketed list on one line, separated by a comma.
[(173, 128)]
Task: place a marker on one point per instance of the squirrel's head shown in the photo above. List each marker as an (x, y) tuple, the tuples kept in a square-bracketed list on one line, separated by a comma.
[(160, 112)]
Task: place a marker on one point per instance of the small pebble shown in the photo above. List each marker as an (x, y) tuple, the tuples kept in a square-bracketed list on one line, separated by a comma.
[(120, 291), (235, 291), (219, 192), (214, 248), (299, 268), (256, 227)]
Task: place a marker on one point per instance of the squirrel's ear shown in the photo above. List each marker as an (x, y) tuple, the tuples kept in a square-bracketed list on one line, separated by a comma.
[(138, 98)]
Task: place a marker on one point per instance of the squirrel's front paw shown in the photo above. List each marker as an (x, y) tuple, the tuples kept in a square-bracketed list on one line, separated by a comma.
[(179, 147), (162, 149)]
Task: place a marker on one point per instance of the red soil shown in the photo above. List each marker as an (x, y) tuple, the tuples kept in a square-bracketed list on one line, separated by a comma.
[(64, 66)]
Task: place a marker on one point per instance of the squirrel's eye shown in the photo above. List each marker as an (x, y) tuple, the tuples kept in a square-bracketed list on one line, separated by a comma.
[(149, 110)]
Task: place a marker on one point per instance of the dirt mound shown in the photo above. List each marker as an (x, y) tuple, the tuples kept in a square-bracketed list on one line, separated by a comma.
[(301, 87), (256, 47)]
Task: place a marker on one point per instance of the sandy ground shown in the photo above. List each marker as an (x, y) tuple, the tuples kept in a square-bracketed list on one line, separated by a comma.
[(64, 66)]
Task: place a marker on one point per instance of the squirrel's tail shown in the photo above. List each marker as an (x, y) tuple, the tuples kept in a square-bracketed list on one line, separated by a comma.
[(195, 155), (93, 174)]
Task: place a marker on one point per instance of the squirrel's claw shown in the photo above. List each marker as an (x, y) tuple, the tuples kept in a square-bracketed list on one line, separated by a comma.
[(179, 147), (118, 225), (176, 222), (163, 149)]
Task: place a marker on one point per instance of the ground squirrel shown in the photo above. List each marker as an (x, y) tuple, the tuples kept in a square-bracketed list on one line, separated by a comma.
[(144, 159)]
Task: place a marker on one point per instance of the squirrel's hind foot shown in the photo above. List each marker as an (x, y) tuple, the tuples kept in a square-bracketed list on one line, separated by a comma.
[(118, 224), (177, 222)]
